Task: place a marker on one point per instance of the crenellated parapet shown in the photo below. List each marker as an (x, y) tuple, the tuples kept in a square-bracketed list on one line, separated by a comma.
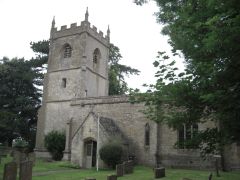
[(84, 27)]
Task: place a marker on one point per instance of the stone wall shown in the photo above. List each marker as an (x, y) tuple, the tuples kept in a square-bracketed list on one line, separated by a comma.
[(232, 156), (128, 118), (131, 121), (86, 131), (175, 157)]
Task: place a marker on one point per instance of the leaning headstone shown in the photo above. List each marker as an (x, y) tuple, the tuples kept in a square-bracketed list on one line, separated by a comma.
[(10, 171), (119, 170), (159, 172), (112, 177), (25, 170)]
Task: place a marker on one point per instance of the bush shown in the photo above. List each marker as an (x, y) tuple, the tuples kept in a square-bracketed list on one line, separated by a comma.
[(20, 143), (111, 154), (55, 143)]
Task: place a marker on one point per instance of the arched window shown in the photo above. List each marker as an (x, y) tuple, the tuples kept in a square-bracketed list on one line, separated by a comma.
[(147, 135), (67, 51), (96, 55)]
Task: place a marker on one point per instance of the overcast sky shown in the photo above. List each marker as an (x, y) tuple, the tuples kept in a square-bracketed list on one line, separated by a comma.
[(133, 28)]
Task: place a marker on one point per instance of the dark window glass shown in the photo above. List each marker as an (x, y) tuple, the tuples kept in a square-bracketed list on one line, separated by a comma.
[(96, 55), (185, 136), (64, 82), (147, 135), (67, 51)]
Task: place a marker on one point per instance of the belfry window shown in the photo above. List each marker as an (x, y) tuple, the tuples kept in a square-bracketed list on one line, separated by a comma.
[(67, 51), (96, 55), (147, 135), (185, 135)]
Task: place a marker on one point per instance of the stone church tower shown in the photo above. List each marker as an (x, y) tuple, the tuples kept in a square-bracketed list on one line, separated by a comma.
[(77, 68), (77, 65)]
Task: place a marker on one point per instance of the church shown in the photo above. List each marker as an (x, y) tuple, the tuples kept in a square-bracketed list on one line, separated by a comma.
[(76, 101)]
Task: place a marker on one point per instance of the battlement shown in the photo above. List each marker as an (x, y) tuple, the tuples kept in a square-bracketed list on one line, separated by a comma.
[(85, 26)]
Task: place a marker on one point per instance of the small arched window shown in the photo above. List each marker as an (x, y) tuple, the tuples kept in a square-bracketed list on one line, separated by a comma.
[(96, 55), (147, 135), (67, 51)]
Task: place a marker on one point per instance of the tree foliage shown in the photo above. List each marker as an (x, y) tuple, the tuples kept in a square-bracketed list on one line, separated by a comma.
[(117, 72), (19, 99), (41, 48), (20, 94), (207, 34)]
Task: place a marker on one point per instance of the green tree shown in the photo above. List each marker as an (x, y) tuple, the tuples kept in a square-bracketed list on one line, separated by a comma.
[(207, 33), (19, 99), (117, 72), (41, 48), (20, 94)]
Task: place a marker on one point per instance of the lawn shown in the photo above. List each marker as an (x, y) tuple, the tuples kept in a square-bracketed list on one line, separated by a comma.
[(64, 171)]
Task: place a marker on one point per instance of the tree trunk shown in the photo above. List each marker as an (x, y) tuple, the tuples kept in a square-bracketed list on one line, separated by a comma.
[(223, 167), (158, 145)]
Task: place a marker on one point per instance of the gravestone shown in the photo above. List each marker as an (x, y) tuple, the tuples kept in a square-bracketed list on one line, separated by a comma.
[(112, 177), (125, 167), (31, 157), (217, 159), (18, 157), (119, 170), (25, 170), (10, 171), (90, 178), (159, 172), (130, 166)]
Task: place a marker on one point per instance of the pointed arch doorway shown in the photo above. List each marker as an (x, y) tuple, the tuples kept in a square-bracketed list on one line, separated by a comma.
[(90, 153)]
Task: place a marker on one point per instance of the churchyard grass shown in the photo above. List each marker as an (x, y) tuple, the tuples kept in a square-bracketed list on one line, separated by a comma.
[(140, 173), (44, 170), (4, 161)]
